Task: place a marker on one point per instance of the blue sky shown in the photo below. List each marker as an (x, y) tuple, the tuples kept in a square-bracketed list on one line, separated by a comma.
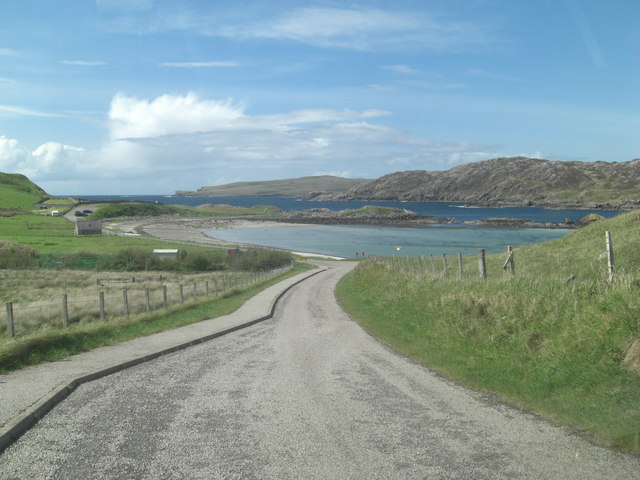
[(153, 96)]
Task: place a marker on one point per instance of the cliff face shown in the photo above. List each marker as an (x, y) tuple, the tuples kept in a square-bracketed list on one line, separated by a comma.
[(512, 181)]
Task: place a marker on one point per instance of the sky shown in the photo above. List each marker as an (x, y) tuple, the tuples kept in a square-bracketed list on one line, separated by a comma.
[(153, 96)]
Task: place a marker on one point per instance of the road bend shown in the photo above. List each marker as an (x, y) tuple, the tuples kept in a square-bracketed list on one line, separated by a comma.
[(305, 395)]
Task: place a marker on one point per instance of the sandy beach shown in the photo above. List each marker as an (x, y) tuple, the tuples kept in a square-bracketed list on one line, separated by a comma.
[(189, 230)]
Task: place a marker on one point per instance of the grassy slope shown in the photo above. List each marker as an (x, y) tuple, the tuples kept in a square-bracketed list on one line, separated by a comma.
[(18, 192), (544, 344)]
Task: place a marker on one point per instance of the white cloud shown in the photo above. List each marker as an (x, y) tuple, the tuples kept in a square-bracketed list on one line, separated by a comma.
[(8, 52), (365, 29), (176, 142), (49, 161), (12, 155), (217, 64), (169, 114), (17, 111)]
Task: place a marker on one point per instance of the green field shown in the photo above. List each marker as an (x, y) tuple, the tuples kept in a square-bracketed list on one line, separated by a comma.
[(552, 346)]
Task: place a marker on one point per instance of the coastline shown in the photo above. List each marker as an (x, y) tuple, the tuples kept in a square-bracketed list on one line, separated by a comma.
[(189, 230)]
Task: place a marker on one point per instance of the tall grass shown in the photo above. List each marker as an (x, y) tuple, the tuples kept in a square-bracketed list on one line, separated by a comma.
[(552, 346)]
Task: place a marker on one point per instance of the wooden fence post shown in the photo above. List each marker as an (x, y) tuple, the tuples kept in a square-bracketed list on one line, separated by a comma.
[(206, 287), (510, 261), (147, 298), (610, 262), (460, 267), (165, 299), (101, 302), (125, 298), (433, 265), (181, 293), (10, 326), (195, 291), (65, 311), (482, 263), (445, 270)]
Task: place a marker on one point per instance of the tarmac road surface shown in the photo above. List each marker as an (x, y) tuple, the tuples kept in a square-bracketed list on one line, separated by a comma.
[(305, 395)]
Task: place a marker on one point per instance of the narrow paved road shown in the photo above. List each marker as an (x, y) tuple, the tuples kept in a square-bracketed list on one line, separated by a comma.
[(306, 395)]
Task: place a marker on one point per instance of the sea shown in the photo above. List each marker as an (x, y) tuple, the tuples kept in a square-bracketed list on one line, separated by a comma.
[(351, 241)]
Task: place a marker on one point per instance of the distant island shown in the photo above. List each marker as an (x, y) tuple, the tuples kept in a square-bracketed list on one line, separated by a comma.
[(511, 181), (291, 187)]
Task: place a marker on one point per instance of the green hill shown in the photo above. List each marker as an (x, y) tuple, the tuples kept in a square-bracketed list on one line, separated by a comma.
[(290, 187), (17, 192)]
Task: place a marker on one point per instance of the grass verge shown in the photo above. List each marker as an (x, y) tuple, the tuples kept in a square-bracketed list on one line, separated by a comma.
[(549, 346), (52, 344)]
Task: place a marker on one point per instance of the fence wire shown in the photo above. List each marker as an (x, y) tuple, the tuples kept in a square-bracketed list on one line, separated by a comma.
[(21, 318)]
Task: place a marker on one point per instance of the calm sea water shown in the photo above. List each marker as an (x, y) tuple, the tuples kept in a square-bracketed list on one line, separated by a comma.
[(347, 241), (458, 211)]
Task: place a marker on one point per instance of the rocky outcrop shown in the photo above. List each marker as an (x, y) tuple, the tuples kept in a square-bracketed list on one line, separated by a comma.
[(511, 181)]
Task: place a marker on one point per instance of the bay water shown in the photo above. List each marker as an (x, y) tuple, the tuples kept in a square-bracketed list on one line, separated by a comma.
[(349, 241)]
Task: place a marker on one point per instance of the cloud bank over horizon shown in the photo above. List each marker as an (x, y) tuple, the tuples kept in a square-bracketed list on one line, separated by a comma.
[(154, 96), (209, 142)]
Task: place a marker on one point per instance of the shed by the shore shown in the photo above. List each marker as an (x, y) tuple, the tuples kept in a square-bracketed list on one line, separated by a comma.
[(88, 227)]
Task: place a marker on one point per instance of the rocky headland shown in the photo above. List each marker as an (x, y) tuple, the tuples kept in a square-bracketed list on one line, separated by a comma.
[(514, 181)]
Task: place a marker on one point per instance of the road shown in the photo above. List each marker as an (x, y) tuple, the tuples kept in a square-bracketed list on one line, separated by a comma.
[(305, 395)]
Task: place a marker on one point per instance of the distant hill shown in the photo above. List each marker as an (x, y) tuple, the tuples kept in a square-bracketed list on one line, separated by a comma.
[(17, 192), (292, 187), (511, 181)]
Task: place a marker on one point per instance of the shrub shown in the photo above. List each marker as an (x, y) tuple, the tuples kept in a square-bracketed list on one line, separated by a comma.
[(16, 255), (259, 259)]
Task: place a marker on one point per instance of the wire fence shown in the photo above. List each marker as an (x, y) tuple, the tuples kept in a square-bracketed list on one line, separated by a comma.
[(137, 295), (480, 267)]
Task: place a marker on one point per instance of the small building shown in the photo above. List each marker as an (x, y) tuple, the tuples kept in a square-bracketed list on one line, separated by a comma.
[(166, 253), (54, 213), (88, 227)]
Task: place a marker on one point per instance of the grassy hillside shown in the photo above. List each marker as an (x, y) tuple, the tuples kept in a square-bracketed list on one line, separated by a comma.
[(291, 187), (17, 192), (563, 349)]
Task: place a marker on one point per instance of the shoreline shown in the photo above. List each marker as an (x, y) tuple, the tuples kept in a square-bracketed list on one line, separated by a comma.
[(191, 230), (184, 230)]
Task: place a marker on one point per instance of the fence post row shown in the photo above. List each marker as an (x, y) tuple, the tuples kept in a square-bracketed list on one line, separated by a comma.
[(234, 281)]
